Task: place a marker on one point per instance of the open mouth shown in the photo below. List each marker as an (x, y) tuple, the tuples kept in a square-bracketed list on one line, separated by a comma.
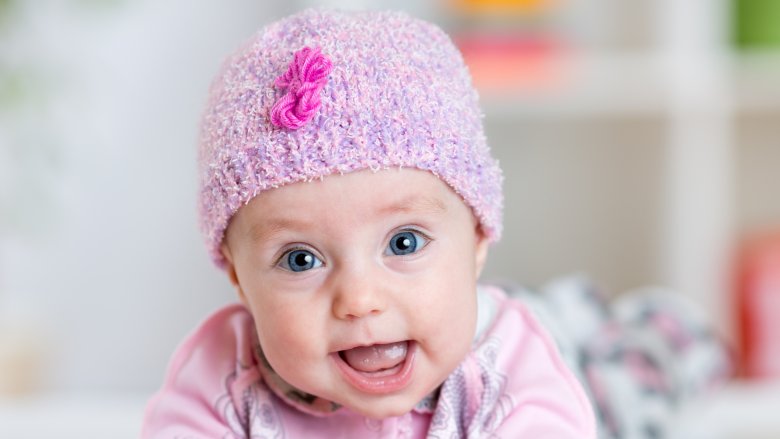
[(378, 368)]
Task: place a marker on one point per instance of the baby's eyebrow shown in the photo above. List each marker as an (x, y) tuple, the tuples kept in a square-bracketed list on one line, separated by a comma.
[(413, 204), (272, 226)]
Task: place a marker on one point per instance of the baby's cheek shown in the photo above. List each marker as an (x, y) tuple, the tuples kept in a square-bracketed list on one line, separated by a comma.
[(294, 352), (284, 334), (277, 346)]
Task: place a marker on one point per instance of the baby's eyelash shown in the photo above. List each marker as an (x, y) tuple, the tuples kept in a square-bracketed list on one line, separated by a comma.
[(414, 230)]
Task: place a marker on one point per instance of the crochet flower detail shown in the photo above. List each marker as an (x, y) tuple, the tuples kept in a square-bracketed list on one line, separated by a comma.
[(304, 80)]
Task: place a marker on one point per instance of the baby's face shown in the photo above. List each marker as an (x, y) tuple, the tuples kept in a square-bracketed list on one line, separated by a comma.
[(362, 286)]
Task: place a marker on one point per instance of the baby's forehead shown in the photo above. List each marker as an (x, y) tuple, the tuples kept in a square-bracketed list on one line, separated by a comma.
[(357, 197), (377, 188)]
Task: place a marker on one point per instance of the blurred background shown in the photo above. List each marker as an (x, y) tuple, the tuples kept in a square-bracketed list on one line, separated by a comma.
[(640, 142)]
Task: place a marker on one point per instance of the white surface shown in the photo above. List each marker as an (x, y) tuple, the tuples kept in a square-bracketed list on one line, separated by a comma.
[(72, 416), (737, 411)]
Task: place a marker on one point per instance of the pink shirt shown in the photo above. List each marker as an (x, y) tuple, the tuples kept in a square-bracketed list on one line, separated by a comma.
[(513, 384)]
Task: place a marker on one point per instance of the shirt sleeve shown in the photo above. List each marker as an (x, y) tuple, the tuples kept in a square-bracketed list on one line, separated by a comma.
[(197, 397), (543, 397)]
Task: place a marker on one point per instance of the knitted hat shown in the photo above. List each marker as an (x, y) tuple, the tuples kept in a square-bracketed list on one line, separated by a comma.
[(324, 92)]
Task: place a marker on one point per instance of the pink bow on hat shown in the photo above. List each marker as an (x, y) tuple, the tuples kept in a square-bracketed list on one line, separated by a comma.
[(304, 79)]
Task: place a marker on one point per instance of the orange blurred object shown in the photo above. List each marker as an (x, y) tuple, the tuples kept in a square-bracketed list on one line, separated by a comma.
[(503, 6), (758, 306), (506, 63)]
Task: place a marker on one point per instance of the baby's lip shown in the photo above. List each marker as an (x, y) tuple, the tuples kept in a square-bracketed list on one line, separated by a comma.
[(347, 346), (380, 381)]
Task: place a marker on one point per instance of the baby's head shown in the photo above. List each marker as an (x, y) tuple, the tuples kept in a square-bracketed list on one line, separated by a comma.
[(348, 192)]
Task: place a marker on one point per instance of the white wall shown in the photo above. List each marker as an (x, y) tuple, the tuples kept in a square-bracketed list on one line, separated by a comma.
[(109, 262)]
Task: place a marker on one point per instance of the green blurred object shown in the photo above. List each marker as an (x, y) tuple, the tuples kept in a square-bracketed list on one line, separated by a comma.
[(757, 23), (12, 88), (5, 12)]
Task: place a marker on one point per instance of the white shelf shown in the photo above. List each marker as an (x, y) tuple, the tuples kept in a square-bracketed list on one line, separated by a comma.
[(755, 77), (589, 84), (697, 101), (636, 84)]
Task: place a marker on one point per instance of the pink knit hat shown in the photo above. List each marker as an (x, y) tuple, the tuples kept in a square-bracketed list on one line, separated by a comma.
[(324, 92)]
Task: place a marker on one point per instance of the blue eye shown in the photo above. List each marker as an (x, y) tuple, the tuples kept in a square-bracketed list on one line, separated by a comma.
[(406, 243), (299, 260)]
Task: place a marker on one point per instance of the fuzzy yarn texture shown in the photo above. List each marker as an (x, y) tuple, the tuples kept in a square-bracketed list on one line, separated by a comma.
[(382, 90)]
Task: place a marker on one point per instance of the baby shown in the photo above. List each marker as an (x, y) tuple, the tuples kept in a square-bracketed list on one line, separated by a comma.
[(348, 192)]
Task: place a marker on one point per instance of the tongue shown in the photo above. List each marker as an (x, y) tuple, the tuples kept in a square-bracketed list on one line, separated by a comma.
[(376, 357)]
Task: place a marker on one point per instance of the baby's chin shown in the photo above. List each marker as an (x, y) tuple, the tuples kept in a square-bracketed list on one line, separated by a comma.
[(386, 406), (383, 408)]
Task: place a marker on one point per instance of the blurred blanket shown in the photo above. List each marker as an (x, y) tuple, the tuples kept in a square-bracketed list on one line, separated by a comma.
[(639, 356)]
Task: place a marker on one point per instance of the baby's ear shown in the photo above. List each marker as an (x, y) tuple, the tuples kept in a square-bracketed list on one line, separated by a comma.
[(481, 248), (230, 270)]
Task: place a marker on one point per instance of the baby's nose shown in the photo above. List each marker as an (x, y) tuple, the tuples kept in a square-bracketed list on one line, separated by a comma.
[(358, 295)]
